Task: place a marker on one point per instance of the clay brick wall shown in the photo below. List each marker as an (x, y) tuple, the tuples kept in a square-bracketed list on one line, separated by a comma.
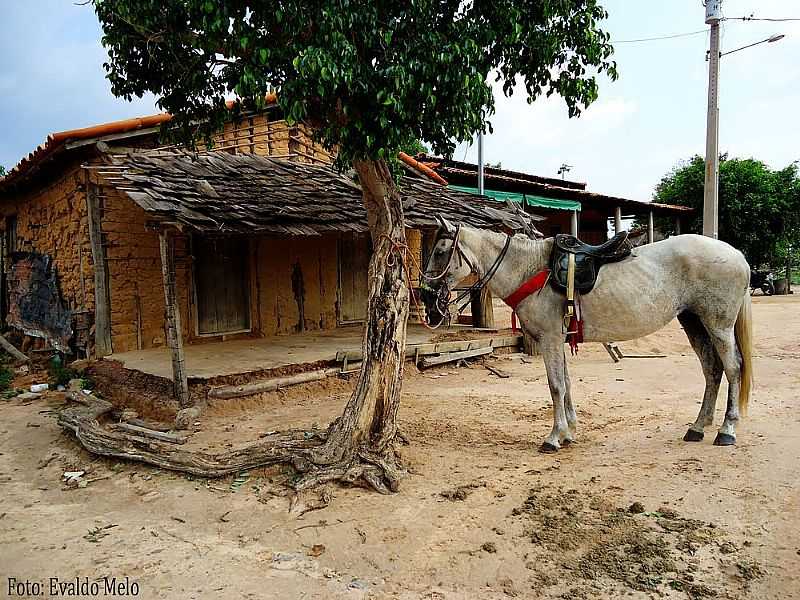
[(134, 272), (51, 220), (260, 135)]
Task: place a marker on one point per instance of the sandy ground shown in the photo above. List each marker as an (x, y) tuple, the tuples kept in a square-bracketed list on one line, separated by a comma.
[(481, 514)]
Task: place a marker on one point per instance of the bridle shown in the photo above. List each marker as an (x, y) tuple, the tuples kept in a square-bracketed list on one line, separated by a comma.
[(443, 301)]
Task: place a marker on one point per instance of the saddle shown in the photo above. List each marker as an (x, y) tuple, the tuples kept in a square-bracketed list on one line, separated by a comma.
[(574, 266), (586, 260)]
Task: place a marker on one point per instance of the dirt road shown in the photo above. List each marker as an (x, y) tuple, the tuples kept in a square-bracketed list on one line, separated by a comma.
[(630, 510)]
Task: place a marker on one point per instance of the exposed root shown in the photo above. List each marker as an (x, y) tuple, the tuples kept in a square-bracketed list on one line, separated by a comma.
[(293, 447), (381, 474)]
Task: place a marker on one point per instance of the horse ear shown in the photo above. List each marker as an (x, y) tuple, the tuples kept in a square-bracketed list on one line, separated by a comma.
[(446, 225)]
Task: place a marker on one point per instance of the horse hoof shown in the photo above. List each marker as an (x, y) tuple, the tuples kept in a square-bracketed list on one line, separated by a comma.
[(724, 439), (567, 442), (548, 448), (693, 436)]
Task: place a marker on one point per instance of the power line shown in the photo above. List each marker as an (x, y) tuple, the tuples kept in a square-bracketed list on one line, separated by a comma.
[(662, 37), (759, 19)]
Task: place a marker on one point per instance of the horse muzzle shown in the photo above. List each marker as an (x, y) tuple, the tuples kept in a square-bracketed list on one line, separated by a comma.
[(431, 299)]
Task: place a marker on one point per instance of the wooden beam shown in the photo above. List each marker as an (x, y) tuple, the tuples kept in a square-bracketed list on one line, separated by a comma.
[(12, 350), (172, 316), (482, 308), (530, 345), (415, 350), (102, 297), (269, 385), (432, 361)]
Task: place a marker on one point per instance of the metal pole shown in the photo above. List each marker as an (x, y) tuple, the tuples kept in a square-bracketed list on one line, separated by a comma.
[(650, 228), (711, 200), (617, 219), (480, 163), (574, 223)]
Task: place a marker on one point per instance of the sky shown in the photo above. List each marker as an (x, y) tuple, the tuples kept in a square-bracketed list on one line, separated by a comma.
[(642, 125)]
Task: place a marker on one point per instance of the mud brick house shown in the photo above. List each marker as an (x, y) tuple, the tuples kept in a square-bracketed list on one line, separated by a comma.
[(151, 247)]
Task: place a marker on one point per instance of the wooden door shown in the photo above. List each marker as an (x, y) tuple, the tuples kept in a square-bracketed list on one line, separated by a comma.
[(222, 284), (354, 253)]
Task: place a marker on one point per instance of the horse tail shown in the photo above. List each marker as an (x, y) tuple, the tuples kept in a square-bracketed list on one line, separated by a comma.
[(743, 330)]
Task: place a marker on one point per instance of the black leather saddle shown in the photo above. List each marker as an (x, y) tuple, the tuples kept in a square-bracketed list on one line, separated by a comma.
[(588, 259)]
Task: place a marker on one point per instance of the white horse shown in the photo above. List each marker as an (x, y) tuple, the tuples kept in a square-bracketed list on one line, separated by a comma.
[(701, 281)]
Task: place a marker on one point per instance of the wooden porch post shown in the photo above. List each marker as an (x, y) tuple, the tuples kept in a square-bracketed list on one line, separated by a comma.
[(172, 317), (574, 223), (102, 298), (617, 219), (482, 308), (650, 228)]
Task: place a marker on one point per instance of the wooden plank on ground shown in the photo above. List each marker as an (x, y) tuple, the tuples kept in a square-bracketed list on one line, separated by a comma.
[(432, 361), (414, 350), (499, 372)]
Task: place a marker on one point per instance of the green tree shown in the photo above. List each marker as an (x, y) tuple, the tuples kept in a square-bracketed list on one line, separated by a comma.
[(371, 78), (2, 171), (757, 206)]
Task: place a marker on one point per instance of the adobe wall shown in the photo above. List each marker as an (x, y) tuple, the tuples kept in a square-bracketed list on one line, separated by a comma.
[(259, 135), (136, 285), (294, 277), (52, 220)]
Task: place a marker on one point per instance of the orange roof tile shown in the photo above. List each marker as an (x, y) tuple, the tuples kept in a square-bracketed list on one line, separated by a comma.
[(55, 141)]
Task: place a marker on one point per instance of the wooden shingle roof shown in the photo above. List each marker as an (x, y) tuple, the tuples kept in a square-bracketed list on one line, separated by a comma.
[(247, 193)]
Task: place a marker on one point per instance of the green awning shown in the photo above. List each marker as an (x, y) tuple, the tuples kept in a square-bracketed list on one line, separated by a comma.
[(524, 199)]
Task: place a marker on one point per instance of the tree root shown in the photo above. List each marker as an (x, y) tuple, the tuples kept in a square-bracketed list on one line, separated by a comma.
[(294, 447), (382, 474)]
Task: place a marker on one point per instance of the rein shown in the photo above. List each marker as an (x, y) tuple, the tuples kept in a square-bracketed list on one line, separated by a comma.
[(443, 300), (404, 253)]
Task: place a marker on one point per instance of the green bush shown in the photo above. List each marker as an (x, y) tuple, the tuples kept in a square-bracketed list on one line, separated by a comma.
[(6, 377), (60, 374)]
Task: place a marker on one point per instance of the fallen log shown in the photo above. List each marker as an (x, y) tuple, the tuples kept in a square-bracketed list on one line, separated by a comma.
[(269, 385), (12, 350)]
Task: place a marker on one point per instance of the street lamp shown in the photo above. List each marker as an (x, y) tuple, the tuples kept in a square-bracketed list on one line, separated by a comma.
[(769, 40), (711, 190)]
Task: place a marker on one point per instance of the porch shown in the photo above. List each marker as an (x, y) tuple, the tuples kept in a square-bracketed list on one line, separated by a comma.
[(297, 352)]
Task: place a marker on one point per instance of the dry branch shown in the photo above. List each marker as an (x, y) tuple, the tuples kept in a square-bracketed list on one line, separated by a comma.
[(12, 350), (292, 446)]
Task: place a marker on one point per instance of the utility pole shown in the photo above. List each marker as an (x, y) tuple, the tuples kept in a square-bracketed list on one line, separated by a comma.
[(480, 163), (711, 200)]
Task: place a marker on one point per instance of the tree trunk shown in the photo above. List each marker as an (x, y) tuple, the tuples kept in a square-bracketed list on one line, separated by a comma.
[(359, 443)]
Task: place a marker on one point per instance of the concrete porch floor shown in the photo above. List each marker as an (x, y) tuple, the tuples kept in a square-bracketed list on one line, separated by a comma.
[(217, 359)]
